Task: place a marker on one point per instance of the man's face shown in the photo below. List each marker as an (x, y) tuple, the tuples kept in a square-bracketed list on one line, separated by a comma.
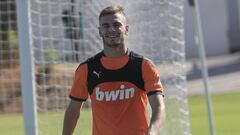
[(113, 28)]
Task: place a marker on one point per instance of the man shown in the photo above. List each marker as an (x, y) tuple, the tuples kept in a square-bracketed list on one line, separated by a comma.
[(119, 83)]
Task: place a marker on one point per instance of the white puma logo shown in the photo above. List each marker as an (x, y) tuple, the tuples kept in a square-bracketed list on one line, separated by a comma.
[(97, 74)]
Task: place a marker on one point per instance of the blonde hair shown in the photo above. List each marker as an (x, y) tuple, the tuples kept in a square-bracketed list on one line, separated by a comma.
[(112, 10)]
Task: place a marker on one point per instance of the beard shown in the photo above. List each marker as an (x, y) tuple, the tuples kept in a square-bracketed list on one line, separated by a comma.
[(113, 41)]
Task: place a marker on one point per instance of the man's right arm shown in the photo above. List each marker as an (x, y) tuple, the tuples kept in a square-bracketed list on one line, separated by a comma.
[(71, 117)]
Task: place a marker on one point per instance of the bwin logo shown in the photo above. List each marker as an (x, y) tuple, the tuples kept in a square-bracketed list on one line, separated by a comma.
[(113, 95)]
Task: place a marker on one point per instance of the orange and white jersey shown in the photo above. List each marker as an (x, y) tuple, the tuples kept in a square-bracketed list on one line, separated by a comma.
[(118, 88)]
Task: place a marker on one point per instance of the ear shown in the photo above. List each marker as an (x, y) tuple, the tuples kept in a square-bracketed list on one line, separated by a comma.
[(99, 31), (126, 27)]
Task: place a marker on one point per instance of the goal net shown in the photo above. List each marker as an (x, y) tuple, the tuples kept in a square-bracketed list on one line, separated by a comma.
[(10, 93), (64, 33)]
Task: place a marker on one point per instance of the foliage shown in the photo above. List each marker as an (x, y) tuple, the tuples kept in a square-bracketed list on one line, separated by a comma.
[(51, 56), (11, 40)]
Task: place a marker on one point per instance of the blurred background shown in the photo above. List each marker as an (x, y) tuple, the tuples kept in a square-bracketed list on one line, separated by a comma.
[(220, 26), (221, 33)]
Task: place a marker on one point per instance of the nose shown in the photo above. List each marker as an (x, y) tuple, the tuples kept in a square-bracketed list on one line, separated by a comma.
[(112, 29)]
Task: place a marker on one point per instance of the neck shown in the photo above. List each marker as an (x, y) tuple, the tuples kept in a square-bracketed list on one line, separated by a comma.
[(115, 51)]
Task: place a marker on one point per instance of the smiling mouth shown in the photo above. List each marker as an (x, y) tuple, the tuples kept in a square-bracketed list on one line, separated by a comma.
[(112, 36)]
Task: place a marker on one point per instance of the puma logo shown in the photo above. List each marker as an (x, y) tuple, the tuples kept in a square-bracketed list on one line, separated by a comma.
[(97, 74)]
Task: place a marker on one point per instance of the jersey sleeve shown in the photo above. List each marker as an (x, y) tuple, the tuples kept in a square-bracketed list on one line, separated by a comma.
[(151, 78), (79, 91)]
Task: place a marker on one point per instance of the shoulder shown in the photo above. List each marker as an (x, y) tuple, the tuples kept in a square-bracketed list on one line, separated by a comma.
[(148, 63), (135, 55), (89, 60), (96, 56)]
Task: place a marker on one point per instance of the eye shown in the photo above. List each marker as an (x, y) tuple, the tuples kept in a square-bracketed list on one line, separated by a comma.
[(117, 24), (105, 26)]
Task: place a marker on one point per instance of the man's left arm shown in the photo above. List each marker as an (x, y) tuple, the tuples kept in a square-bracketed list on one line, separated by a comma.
[(158, 114)]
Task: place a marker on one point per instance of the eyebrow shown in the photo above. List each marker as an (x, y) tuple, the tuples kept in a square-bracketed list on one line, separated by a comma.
[(104, 24), (116, 21)]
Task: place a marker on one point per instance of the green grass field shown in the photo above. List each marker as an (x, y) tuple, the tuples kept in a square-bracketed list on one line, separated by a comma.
[(226, 114)]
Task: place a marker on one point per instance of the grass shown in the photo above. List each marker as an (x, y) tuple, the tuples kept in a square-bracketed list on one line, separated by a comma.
[(49, 124), (226, 115), (11, 124)]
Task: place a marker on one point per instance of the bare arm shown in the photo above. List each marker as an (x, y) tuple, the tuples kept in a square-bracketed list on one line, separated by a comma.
[(71, 117), (158, 114)]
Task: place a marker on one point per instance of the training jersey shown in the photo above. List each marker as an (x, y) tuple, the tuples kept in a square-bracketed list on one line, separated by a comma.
[(118, 89)]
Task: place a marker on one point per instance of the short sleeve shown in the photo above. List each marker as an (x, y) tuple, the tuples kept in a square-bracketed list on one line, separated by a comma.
[(151, 78), (79, 91)]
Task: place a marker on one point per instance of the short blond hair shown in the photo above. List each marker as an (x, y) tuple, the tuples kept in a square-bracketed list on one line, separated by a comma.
[(112, 10)]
